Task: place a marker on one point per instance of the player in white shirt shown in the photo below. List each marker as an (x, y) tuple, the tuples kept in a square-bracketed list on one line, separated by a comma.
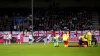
[(44, 38), (7, 38), (30, 38), (4, 38), (19, 37), (48, 38), (10, 38)]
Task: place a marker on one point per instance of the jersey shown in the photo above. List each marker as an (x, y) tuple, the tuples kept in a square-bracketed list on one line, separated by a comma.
[(9, 36), (89, 36), (48, 37), (30, 36), (18, 36), (65, 37), (80, 38), (4, 36), (56, 38), (83, 38)]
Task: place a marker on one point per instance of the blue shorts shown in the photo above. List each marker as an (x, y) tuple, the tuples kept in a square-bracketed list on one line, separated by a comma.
[(30, 39), (18, 39), (4, 39), (47, 39), (80, 42)]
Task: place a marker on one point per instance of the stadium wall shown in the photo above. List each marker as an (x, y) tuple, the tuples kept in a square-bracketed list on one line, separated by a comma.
[(37, 35), (47, 3)]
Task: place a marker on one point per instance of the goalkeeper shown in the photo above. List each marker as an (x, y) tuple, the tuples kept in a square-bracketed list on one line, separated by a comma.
[(55, 39)]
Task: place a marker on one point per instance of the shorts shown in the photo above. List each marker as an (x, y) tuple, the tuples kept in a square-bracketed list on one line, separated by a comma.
[(89, 42), (4, 39), (30, 39), (10, 39), (7, 38), (80, 42), (85, 43), (18, 39), (47, 39), (65, 42)]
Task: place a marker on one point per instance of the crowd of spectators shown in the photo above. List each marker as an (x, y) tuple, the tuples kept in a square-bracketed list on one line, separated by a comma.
[(48, 19), (62, 19)]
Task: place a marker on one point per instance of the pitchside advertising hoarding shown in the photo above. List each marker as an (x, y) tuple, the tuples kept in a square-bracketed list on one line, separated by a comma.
[(37, 35)]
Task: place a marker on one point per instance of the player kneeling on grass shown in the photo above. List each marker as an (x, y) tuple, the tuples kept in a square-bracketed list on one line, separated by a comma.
[(94, 40), (18, 37), (80, 40), (55, 39), (84, 39), (65, 39), (30, 38)]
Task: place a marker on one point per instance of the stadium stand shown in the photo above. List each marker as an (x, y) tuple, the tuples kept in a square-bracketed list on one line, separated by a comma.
[(47, 19)]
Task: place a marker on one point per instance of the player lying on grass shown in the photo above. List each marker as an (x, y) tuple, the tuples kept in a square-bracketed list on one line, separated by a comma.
[(55, 39)]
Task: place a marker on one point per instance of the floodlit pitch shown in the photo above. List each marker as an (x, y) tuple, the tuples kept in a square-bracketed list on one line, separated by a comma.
[(39, 49)]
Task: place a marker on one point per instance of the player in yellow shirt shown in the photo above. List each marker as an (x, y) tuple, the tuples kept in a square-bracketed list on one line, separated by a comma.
[(84, 39), (89, 37), (80, 40), (65, 39)]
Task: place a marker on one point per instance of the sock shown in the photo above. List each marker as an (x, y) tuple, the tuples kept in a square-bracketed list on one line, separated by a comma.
[(20, 42), (54, 44), (57, 44), (66, 45)]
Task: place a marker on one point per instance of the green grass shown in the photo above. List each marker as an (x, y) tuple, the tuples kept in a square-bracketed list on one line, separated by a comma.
[(38, 49)]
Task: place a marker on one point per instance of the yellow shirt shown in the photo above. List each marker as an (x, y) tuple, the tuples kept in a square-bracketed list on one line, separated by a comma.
[(83, 38), (65, 37), (89, 36)]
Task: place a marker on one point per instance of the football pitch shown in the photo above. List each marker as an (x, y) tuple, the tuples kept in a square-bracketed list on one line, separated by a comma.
[(39, 49)]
